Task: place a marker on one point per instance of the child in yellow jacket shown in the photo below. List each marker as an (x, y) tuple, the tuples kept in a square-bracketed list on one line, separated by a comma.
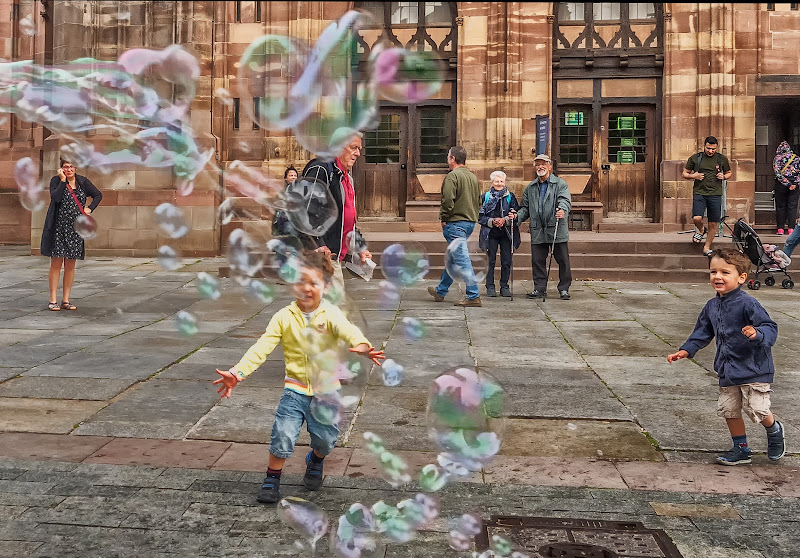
[(291, 326)]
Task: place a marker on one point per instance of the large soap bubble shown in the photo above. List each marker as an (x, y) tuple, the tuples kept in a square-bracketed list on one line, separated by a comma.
[(86, 226), (465, 262), (354, 536), (406, 76), (464, 416), (310, 206), (170, 220), (245, 256), (404, 265), (305, 518)]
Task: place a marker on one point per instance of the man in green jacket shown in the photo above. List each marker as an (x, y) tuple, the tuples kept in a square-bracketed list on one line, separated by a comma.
[(547, 202), (461, 195)]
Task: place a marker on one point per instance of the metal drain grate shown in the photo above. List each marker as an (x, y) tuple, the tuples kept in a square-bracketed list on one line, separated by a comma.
[(578, 538)]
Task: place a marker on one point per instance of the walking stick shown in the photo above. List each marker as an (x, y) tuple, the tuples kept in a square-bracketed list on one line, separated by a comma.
[(550, 263), (511, 281)]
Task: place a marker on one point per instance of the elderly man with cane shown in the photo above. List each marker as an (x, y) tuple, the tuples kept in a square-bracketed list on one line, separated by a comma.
[(547, 201)]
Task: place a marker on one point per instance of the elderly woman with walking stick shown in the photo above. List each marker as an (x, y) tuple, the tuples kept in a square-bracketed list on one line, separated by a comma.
[(547, 201), (496, 231)]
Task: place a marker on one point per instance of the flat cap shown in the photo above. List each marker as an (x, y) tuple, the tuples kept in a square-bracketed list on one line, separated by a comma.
[(542, 157)]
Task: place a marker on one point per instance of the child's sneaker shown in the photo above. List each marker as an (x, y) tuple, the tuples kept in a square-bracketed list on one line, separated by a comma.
[(780, 231), (737, 456), (776, 445), (313, 477), (270, 491)]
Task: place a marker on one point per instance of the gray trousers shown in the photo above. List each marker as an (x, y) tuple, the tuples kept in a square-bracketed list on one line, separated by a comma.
[(539, 253)]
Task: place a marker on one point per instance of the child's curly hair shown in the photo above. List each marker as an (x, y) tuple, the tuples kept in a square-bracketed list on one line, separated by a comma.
[(320, 262), (733, 257)]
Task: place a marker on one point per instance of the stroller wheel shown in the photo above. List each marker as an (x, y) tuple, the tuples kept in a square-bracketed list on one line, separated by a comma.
[(756, 285), (787, 284), (769, 281)]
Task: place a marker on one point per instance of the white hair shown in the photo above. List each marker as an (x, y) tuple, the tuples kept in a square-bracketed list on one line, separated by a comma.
[(497, 174)]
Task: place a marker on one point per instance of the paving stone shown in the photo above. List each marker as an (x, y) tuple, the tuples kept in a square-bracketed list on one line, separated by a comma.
[(159, 453), (170, 406), (708, 478), (96, 389), (626, 338), (119, 366), (7, 373), (44, 415), (582, 402), (49, 446), (695, 510)]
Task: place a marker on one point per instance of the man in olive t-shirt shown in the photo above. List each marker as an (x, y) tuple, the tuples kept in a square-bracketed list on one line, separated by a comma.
[(708, 169)]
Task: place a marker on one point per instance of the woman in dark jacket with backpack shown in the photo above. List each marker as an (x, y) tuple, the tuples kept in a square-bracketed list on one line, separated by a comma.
[(496, 231), (60, 242)]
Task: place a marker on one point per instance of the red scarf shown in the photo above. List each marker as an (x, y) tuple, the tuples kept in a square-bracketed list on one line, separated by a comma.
[(348, 208)]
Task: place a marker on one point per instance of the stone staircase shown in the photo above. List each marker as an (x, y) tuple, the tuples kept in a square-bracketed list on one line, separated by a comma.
[(647, 257)]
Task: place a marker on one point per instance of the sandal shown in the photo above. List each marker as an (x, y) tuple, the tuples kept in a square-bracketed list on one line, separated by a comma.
[(708, 252), (697, 237), (54, 307), (67, 306)]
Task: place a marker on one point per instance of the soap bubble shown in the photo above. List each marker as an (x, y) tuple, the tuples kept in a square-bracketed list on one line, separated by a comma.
[(224, 96), (270, 69), (400, 523), (374, 443), (414, 329), (86, 226), (571, 426), (464, 262), (27, 26), (168, 258), (226, 212), (310, 206), (261, 291), (432, 478), (404, 265), (303, 517), (244, 254), (207, 286), (466, 528), (26, 174), (184, 186), (389, 297), (394, 469), (33, 200), (392, 373), (356, 243), (354, 537), (170, 220), (464, 416), (326, 409), (186, 323), (286, 258), (501, 546), (406, 76)]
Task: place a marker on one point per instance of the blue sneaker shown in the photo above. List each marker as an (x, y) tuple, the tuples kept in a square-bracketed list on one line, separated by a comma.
[(776, 444), (313, 477), (270, 491), (737, 456)]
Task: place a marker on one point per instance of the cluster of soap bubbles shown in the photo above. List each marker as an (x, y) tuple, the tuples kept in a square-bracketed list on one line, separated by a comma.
[(359, 529), (465, 262), (318, 92)]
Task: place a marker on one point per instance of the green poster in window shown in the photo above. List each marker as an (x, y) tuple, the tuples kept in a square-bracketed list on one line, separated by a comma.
[(626, 123), (573, 118), (626, 157), (627, 142)]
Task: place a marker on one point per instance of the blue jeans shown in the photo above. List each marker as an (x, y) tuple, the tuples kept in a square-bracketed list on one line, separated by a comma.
[(292, 411), (451, 231), (792, 241)]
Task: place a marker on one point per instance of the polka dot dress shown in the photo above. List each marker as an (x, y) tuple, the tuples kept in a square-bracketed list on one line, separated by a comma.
[(68, 244)]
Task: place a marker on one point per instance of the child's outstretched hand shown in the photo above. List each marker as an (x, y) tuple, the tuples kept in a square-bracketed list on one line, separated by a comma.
[(750, 332), (370, 352), (228, 381), (677, 356)]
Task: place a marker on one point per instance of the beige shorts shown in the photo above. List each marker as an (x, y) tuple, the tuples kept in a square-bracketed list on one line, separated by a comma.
[(753, 399)]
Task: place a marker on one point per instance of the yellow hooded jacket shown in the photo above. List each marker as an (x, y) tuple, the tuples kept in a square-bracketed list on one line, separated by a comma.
[(287, 326)]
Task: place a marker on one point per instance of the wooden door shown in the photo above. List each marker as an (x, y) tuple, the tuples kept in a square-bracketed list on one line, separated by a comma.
[(628, 187), (380, 173)]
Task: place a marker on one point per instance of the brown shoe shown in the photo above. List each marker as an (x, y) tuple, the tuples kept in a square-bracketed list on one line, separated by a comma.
[(469, 302), (436, 296)]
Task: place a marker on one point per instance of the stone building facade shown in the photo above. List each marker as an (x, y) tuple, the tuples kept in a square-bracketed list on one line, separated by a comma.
[(620, 95)]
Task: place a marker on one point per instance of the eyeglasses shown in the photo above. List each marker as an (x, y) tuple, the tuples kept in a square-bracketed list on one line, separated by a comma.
[(67, 167)]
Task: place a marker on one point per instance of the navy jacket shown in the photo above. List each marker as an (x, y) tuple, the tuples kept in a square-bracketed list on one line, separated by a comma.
[(739, 360), (491, 208), (58, 190)]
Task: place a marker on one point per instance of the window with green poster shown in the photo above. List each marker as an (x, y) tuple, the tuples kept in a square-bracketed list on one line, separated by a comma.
[(627, 137)]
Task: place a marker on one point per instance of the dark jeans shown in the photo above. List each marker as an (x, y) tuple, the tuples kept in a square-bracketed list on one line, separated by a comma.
[(786, 207), (504, 243), (539, 253)]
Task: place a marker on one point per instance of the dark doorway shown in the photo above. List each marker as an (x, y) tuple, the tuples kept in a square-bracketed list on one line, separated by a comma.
[(777, 119)]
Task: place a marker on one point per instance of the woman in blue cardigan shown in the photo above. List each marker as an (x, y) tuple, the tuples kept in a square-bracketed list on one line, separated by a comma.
[(60, 241)]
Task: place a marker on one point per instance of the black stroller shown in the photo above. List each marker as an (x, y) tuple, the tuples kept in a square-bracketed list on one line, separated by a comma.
[(747, 241)]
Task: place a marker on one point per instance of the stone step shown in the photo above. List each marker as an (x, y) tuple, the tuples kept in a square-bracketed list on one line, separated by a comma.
[(370, 226)]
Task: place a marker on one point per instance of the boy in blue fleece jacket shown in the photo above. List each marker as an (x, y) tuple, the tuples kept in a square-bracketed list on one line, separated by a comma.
[(745, 334)]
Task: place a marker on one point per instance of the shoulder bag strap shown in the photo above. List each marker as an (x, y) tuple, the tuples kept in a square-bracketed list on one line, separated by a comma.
[(74, 197), (786, 166)]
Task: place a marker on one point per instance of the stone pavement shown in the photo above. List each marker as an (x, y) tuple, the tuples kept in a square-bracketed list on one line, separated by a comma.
[(113, 442)]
